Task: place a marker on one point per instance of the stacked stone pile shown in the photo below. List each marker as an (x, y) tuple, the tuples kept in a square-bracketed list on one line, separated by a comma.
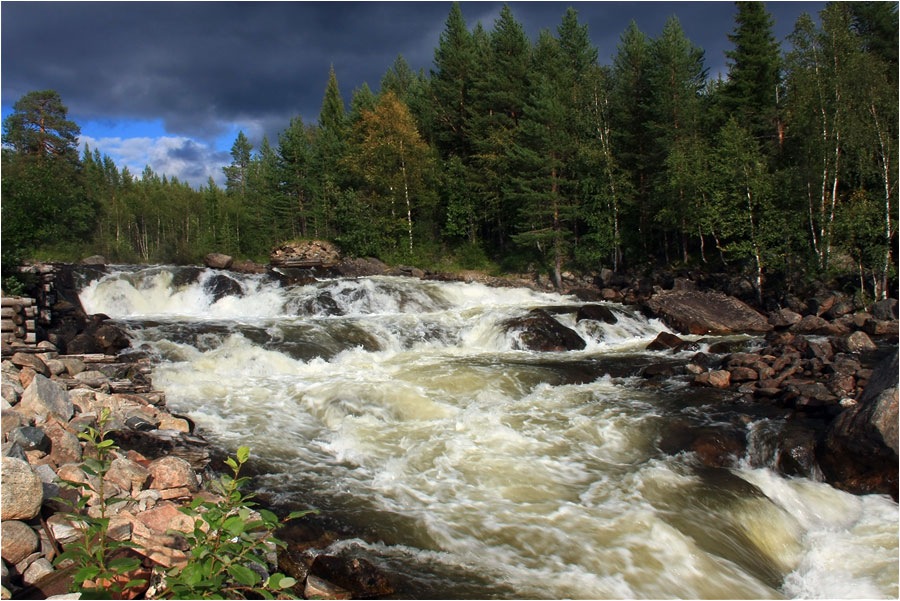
[(47, 400), (816, 371)]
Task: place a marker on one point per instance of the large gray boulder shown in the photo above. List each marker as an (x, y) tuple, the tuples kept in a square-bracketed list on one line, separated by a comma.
[(22, 492), (692, 312), (860, 449), (44, 397)]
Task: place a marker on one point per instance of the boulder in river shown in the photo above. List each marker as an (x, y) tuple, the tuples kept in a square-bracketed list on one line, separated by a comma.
[(691, 312), (220, 285), (538, 331), (218, 261), (859, 451)]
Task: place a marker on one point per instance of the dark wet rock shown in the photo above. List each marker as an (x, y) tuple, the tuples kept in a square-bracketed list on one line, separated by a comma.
[(859, 450), (587, 295), (813, 324), (840, 308), (784, 318), (664, 341), (819, 305), (220, 285), (322, 304), (876, 327), (360, 267), (111, 338), (248, 267), (706, 313), (356, 575), (704, 360), (185, 276), (98, 337), (538, 331), (293, 276), (723, 347), (857, 342), (596, 312), (659, 370), (797, 452), (885, 310), (819, 350), (714, 446), (743, 374)]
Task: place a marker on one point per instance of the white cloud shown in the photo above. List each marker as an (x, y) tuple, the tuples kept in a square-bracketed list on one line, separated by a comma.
[(173, 156)]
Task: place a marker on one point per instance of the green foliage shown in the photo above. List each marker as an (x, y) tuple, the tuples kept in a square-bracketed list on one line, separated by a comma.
[(103, 566), (230, 546), (531, 152)]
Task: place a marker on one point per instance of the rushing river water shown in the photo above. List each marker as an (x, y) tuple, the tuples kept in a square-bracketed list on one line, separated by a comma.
[(477, 469)]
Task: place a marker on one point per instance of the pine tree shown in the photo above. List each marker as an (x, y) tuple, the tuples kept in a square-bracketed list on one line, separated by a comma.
[(630, 118), (751, 94), (450, 85), (44, 199), (331, 146), (676, 80), (297, 203), (497, 107), (39, 126)]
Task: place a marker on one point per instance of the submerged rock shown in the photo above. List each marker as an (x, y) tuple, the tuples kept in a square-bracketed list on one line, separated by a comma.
[(356, 575)]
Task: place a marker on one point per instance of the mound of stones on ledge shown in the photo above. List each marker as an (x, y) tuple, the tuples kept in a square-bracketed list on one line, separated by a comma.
[(160, 465), (830, 374)]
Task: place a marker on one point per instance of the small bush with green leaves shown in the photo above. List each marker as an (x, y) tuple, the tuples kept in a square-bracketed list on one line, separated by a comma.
[(103, 565), (231, 546)]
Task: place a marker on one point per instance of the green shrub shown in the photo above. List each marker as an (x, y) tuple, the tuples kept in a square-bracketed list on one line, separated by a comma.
[(103, 565), (231, 545)]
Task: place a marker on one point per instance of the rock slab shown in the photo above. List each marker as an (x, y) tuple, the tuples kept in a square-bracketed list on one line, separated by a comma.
[(692, 312)]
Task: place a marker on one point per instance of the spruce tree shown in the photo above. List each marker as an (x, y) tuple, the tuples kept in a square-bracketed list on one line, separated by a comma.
[(450, 85), (752, 92)]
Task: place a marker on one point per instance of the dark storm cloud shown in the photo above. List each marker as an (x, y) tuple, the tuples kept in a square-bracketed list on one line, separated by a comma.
[(207, 69)]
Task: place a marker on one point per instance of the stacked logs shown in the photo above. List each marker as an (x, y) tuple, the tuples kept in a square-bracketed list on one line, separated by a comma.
[(18, 317)]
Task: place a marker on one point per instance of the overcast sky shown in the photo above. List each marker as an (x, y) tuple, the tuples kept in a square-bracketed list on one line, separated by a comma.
[(170, 84)]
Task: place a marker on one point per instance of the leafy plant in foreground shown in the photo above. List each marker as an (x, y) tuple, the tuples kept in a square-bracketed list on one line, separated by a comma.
[(104, 566), (231, 545)]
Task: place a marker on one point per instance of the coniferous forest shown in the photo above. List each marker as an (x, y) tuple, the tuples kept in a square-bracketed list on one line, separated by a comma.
[(512, 154)]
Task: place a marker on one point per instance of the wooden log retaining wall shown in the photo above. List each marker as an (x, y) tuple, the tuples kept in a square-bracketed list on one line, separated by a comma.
[(21, 317)]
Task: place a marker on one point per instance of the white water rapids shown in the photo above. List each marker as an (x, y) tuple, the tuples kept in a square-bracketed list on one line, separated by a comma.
[(406, 408)]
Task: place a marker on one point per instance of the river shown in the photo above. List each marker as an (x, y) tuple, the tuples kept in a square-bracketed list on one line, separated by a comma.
[(479, 470)]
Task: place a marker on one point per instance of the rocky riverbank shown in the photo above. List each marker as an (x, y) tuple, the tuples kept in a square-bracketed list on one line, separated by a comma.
[(811, 364)]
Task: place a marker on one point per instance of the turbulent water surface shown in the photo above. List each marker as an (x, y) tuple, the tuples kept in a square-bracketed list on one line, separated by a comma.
[(480, 470)]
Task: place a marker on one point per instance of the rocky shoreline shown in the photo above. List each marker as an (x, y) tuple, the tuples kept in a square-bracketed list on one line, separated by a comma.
[(826, 368)]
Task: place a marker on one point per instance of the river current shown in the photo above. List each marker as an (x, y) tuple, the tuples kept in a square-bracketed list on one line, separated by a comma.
[(478, 469)]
